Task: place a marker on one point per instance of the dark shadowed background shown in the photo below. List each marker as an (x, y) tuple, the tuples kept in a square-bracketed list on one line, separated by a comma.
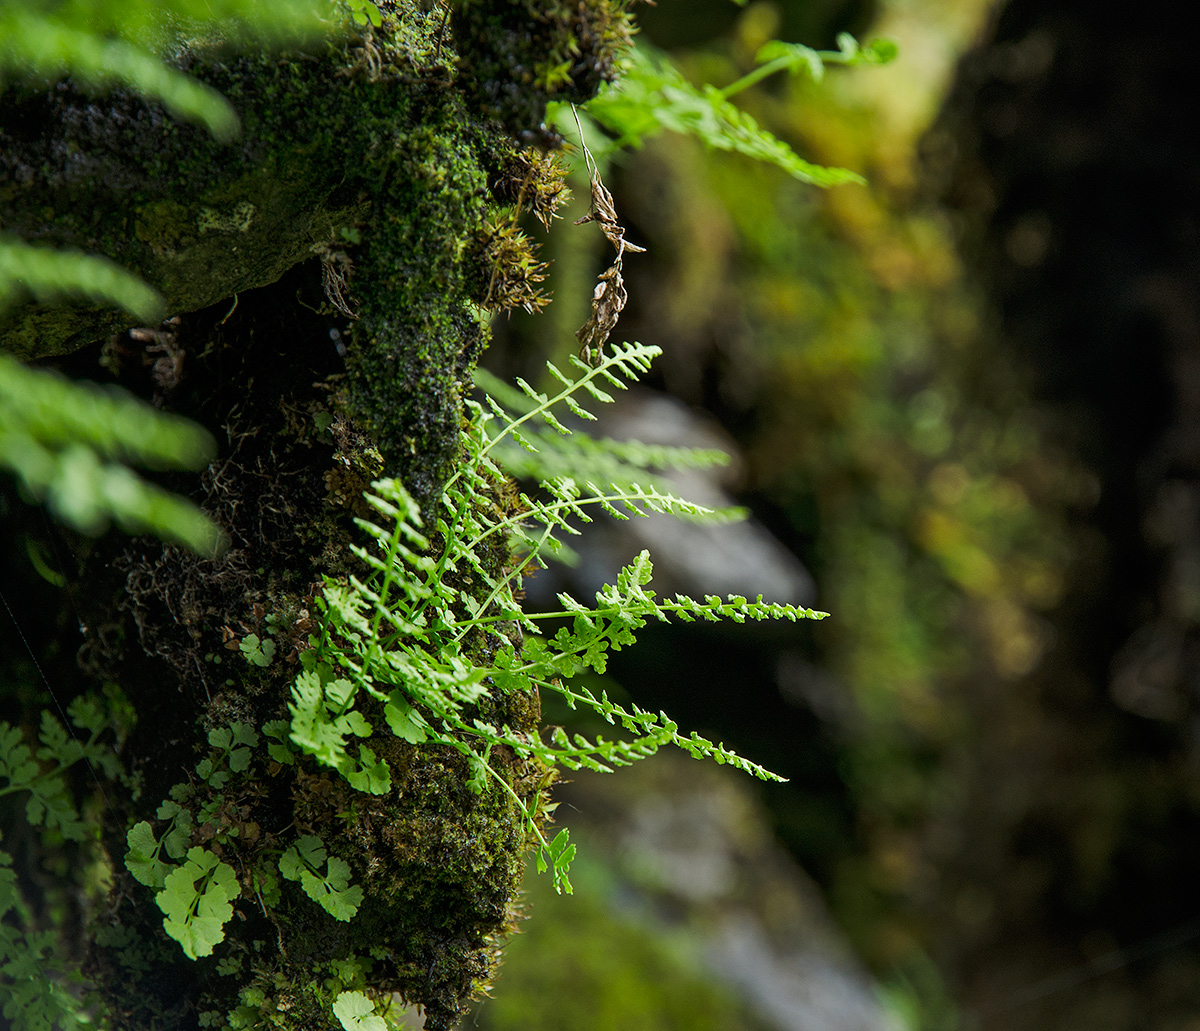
[(964, 405)]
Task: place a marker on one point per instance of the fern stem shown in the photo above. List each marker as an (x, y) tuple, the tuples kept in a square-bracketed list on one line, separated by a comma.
[(465, 625), (756, 75)]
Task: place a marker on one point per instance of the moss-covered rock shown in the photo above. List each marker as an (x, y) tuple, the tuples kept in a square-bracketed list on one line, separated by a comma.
[(525, 53), (324, 274)]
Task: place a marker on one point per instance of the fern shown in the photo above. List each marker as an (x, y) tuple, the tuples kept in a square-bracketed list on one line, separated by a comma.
[(777, 56), (35, 994), (103, 43), (68, 444), (32, 997), (400, 646), (325, 879), (46, 275), (42, 772), (654, 95), (195, 899), (551, 454)]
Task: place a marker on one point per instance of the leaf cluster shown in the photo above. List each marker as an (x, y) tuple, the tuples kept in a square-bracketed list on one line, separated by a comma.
[(654, 95), (435, 627), (33, 996), (194, 887), (34, 993), (195, 899), (42, 771), (325, 879)]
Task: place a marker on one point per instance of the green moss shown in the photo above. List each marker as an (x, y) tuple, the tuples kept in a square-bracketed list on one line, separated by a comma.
[(526, 53), (368, 133)]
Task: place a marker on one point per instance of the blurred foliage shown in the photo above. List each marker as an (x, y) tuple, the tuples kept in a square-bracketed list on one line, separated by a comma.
[(611, 971), (899, 451), (47, 275), (104, 43), (653, 96), (69, 444)]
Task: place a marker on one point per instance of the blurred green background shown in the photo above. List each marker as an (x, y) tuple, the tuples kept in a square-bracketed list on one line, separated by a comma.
[(961, 396)]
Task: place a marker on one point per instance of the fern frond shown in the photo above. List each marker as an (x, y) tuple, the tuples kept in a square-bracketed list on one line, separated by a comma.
[(394, 641), (46, 275), (612, 464), (624, 360), (654, 95), (38, 45)]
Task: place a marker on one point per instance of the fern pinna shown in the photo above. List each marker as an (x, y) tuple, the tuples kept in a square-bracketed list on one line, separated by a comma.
[(434, 626)]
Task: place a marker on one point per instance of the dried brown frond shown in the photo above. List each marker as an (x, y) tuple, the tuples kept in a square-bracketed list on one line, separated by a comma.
[(336, 272), (609, 297)]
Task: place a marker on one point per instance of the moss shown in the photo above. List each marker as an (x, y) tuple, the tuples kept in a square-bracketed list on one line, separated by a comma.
[(525, 53), (366, 134)]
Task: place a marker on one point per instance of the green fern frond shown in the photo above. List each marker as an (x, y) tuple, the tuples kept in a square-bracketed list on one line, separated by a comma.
[(68, 444), (654, 95), (103, 43), (398, 644), (43, 47), (47, 275), (624, 360), (613, 464)]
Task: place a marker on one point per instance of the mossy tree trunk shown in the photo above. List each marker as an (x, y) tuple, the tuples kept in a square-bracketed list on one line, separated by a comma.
[(322, 273)]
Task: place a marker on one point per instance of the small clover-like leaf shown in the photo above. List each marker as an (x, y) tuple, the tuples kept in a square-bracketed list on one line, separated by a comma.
[(373, 775), (243, 734), (141, 860), (355, 1012), (354, 723), (331, 889), (195, 900), (279, 747), (266, 885), (405, 722), (341, 904), (307, 851)]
